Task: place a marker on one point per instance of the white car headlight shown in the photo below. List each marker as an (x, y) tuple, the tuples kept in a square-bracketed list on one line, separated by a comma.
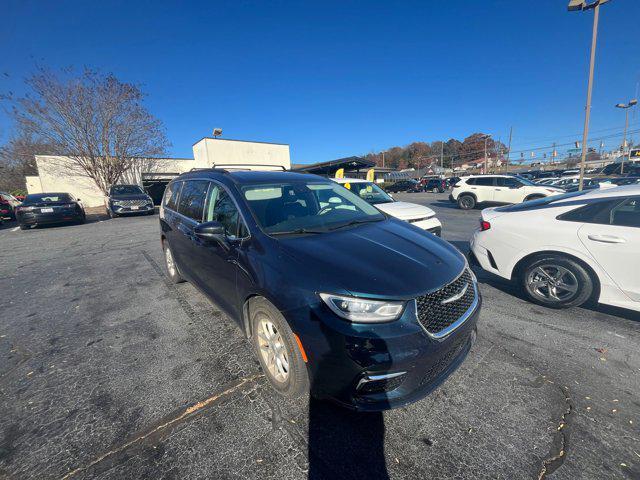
[(363, 310)]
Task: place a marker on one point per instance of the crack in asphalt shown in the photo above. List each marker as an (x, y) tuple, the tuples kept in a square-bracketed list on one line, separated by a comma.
[(181, 417), (560, 443)]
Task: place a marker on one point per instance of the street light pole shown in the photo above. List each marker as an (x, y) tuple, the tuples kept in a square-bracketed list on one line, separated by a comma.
[(626, 107), (582, 5)]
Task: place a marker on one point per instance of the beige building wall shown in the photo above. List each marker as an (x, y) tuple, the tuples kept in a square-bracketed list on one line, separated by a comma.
[(59, 173), (33, 184), (209, 152)]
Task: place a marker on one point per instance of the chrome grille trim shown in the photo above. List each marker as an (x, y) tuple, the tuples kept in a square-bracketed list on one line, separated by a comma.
[(131, 203), (448, 329)]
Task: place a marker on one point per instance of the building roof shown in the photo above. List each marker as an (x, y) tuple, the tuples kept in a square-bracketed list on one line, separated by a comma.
[(330, 167)]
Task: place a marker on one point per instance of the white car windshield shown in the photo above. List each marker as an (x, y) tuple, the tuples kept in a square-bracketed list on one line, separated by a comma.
[(369, 192)]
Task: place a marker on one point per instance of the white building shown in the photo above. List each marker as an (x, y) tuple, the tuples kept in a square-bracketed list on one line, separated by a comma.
[(60, 174)]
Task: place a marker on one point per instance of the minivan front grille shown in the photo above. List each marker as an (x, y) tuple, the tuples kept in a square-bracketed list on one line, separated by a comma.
[(438, 310)]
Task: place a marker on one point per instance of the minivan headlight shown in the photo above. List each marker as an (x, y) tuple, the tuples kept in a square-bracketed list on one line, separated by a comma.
[(361, 309)]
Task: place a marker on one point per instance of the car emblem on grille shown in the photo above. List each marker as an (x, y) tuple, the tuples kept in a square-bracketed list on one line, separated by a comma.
[(457, 296)]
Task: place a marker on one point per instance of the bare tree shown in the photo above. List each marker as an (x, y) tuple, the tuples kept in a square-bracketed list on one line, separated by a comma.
[(98, 122), (17, 160)]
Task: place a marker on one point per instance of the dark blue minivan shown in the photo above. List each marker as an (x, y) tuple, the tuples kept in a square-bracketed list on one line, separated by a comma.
[(337, 297)]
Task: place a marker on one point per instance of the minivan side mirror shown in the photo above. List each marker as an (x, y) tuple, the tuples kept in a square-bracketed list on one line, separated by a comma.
[(209, 231)]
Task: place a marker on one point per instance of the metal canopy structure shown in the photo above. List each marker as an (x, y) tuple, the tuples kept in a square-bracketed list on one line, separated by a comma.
[(350, 164)]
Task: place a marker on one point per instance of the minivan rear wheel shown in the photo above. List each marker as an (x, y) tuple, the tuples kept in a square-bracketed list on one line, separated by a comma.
[(172, 268), (556, 281), (277, 349)]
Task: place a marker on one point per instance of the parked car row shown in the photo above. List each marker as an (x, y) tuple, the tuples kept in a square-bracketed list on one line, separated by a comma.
[(63, 208), (435, 185)]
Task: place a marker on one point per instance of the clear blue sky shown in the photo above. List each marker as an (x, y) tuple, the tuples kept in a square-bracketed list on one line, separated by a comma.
[(335, 79)]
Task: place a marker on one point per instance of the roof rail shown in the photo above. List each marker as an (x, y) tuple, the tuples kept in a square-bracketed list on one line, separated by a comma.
[(209, 169), (241, 166)]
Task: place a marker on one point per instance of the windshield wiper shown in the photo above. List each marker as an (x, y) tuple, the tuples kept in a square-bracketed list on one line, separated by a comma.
[(355, 222), (297, 231)]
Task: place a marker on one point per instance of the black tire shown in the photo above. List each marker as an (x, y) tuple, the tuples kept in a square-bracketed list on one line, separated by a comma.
[(296, 382), (534, 197), (82, 219), (466, 202), (111, 214), (566, 283), (24, 227), (173, 272), (436, 190)]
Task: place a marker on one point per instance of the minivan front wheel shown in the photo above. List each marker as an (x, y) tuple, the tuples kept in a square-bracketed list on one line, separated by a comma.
[(172, 267), (277, 349), (556, 281)]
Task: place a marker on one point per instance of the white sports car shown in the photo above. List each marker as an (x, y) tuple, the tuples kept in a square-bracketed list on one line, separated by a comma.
[(567, 249)]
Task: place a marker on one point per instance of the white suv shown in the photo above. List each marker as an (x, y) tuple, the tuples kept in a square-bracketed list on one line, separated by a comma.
[(471, 191)]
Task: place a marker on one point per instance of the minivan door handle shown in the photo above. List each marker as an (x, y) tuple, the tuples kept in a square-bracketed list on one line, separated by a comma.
[(606, 238)]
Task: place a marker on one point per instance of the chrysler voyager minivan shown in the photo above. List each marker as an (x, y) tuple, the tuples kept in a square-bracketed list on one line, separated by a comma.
[(336, 297)]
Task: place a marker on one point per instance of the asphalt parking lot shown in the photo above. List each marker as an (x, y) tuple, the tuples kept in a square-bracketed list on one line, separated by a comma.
[(108, 371)]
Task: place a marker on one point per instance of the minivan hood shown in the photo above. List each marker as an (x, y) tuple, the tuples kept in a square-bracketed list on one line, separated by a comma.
[(405, 211), (388, 259)]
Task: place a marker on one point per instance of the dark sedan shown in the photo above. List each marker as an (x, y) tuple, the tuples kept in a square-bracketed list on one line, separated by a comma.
[(49, 208)]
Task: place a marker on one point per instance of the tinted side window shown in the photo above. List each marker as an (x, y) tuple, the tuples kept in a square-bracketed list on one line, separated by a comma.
[(220, 208), (597, 212), (485, 181), (171, 195), (507, 182), (627, 213), (192, 199), (471, 181)]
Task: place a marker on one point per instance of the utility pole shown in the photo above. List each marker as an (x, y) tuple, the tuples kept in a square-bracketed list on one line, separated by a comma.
[(509, 150), (582, 5), (626, 107), (442, 156), (382, 159), (486, 162)]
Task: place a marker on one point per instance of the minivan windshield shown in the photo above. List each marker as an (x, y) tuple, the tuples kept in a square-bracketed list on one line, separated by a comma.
[(306, 207), (126, 190), (369, 192)]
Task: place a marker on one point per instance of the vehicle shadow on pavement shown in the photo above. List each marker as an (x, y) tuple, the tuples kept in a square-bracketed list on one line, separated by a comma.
[(344, 443)]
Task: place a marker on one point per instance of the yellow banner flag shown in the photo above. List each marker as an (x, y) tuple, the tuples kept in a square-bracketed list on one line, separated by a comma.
[(370, 175), (340, 173)]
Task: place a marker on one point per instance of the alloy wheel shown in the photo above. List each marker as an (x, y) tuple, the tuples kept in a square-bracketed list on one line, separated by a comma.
[(552, 283), (273, 350)]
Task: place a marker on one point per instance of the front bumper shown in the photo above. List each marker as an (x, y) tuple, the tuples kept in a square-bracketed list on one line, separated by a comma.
[(341, 354), (432, 225), (121, 210)]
